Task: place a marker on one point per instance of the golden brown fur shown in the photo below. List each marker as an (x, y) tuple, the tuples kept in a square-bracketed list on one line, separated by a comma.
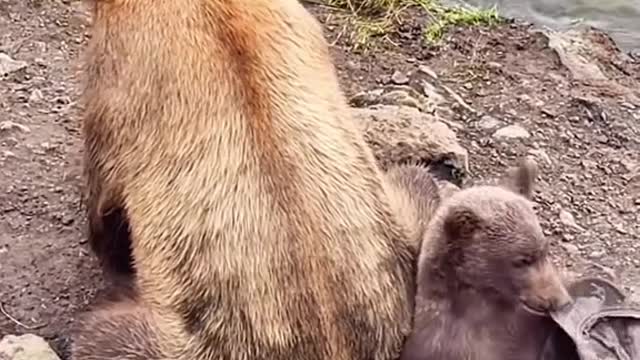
[(414, 196), (258, 222), (485, 279)]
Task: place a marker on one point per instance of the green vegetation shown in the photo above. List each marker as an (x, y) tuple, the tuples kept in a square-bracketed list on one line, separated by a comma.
[(370, 7), (371, 18), (365, 29), (456, 16)]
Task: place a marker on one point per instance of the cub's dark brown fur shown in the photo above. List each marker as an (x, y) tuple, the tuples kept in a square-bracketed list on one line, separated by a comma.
[(118, 319), (258, 223), (414, 196), (485, 280)]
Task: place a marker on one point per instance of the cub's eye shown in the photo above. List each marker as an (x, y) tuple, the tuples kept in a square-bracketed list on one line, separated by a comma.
[(523, 261)]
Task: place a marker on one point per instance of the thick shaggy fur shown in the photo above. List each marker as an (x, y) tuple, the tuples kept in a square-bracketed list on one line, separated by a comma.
[(414, 196), (257, 219), (485, 279)]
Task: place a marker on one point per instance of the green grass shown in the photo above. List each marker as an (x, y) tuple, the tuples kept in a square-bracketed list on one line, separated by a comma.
[(445, 18), (369, 18), (372, 18), (368, 7), (365, 29)]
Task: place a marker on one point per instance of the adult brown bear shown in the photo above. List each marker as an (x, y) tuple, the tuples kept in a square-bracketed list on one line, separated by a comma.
[(219, 145)]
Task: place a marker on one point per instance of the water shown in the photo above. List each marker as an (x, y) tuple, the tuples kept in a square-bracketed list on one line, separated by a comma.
[(619, 18)]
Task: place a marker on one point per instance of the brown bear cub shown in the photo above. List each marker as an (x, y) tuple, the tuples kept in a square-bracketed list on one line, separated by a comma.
[(485, 281)]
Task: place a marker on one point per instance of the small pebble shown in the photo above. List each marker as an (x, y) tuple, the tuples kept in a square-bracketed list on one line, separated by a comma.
[(488, 122), (571, 249), (427, 70), (567, 219), (36, 95), (9, 64), (512, 132), (399, 78), (10, 125)]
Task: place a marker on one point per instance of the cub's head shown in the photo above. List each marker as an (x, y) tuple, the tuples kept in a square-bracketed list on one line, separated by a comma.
[(494, 244)]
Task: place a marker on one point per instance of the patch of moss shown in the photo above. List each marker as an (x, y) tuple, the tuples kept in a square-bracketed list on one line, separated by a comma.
[(372, 18), (368, 7), (446, 17), (368, 19), (365, 29)]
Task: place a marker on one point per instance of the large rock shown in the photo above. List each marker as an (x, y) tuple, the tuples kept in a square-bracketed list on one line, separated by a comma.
[(9, 65), (590, 55), (400, 134), (26, 347), (570, 47)]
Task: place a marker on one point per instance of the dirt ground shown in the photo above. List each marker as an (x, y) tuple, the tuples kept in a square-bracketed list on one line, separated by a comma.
[(508, 75)]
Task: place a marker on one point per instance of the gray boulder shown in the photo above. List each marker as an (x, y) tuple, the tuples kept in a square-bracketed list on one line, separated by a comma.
[(26, 347)]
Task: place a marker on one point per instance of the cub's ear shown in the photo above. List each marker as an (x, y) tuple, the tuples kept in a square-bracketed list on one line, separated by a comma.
[(461, 223), (521, 179)]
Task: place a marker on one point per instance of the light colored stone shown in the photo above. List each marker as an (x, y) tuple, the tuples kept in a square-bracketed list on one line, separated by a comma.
[(401, 133), (541, 155), (402, 95), (427, 70), (574, 53), (8, 154), (399, 78), (366, 98), (9, 65), (488, 122), (571, 249), (596, 254), (399, 97), (36, 95), (26, 347), (431, 92), (494, 65), (512, 132), (567, 219), (10, 125)]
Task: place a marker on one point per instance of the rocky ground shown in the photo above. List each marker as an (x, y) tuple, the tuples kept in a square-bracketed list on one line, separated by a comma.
[(482, 98)]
